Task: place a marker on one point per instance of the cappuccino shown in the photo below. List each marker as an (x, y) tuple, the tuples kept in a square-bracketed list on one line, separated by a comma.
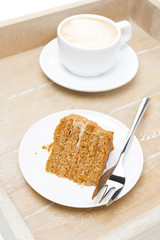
[(89, 32)]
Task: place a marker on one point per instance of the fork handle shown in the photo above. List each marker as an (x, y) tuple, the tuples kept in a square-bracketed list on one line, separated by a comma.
[(143, 106)]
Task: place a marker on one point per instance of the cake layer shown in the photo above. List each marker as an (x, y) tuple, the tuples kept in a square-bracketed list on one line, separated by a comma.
[(80, 150)]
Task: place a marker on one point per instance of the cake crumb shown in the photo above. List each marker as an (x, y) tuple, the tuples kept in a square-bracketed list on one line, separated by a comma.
[(44, 147), (47, 147)]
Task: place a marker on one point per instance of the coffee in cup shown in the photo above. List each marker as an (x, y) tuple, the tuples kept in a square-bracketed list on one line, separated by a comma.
[(88, 44), (89, 32)]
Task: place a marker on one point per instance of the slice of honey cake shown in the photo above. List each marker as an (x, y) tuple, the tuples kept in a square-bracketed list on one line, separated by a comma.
[(80, 150)]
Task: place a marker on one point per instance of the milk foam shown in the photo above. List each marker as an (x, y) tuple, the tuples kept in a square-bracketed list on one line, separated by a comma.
[(89, 32)]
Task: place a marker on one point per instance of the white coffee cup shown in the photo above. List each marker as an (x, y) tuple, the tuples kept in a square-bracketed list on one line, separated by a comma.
[(98, 56)]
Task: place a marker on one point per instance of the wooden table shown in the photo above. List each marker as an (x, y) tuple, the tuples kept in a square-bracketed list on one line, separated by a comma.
[(27, 95)]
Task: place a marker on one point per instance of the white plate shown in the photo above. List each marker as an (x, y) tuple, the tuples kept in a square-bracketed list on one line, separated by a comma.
[(121, 73), (64, 191)]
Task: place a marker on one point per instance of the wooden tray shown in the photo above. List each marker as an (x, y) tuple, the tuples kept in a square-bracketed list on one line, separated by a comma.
[(27, 95)]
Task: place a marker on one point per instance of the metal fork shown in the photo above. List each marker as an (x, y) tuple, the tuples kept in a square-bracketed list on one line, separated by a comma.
[(116, 175)]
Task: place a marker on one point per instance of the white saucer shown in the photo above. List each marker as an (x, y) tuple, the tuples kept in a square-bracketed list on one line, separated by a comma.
[(32, 160), (121, 73)]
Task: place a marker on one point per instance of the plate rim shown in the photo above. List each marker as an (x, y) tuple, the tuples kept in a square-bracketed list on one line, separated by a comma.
[(82, 89), (69, 112)]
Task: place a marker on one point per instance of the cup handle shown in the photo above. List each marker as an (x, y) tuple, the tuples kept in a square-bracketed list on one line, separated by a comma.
[(126, 30)]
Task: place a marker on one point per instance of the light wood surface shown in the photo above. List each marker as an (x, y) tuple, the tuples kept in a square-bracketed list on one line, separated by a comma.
[(146, 13), (27, 95)]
